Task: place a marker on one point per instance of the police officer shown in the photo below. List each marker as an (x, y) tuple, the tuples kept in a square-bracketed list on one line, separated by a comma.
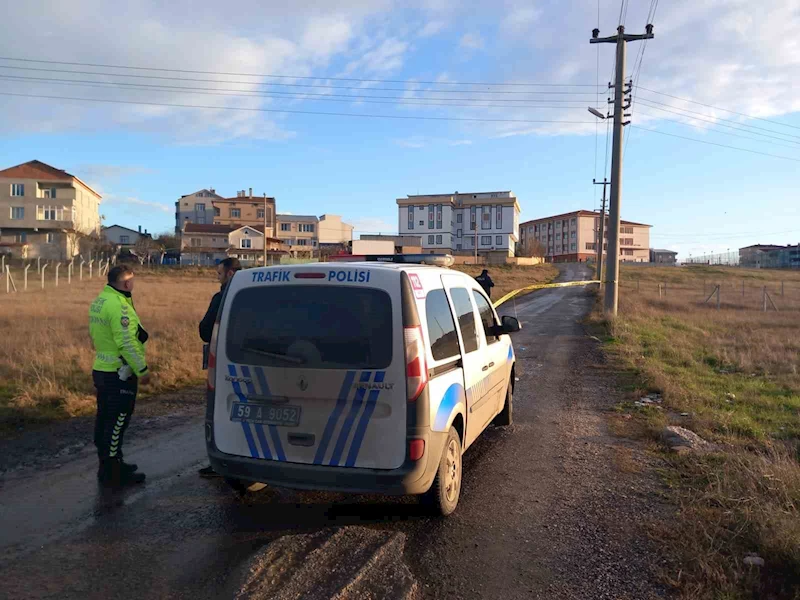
[(119, 367), (486, 282), (225, 272)]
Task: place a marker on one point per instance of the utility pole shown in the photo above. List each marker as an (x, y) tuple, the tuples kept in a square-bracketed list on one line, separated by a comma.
[(604, 183), (612, 256), (265, 229)]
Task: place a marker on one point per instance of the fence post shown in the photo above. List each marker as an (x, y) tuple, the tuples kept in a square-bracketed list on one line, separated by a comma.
[(4, 263), (91, 263), (69, 270), (58, 266), (28, 266), (7, 271), (659, 290), (42, 272), (38, 264)]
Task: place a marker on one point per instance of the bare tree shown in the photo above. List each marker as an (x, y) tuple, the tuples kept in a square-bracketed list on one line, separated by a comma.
[(144, 249), (531, 248)]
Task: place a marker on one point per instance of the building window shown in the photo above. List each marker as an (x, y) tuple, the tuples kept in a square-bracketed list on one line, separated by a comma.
[(420, 207), (431, 238), (430, 216), (574, 235), (49, 213), (486, 217), (459, 217), (236, 213), (411, 217), (438, 239), (499, 211), (17, 212), (627, 252), (591, 246), (50, 238), (200, 208), (573, 246), (246, 243), (459, 233), (572, 221), (498, 240), (216, 211), (422, 223), (473, 217), (458, 246), (21, 238), (286, 226), (17, 189), (49, 193), (625, 229), (627, 241), (124, 239), (307, 227), (196, 242), (486, 240)]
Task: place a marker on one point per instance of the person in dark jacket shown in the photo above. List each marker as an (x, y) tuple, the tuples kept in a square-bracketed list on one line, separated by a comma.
[(225, 272), (486, 282)]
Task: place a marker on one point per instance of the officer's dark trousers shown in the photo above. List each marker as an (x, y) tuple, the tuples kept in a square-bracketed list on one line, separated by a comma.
[(115, 403)]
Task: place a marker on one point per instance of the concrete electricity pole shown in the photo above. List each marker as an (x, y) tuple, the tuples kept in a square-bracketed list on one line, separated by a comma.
[(601, 237), (612, 256), (265, 229)]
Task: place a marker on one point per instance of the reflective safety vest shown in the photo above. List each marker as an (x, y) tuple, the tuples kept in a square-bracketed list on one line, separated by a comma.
[(114, 326)]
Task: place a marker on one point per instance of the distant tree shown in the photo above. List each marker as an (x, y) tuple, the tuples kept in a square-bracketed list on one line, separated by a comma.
[(531, 248), (145, 248)]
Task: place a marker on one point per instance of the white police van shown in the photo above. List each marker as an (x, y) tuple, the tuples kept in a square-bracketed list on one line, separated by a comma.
[(358, 377)]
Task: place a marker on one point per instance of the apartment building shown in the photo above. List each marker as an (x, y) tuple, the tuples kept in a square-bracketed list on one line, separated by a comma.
[(462, 223), (757, 255), (300, 233), (45, 212), (573, 237), (206, 207), (332, 230), (663, 257)]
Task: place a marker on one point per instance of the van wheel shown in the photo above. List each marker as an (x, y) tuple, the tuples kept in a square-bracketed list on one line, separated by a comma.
[(241, 487), (506, 417), (443, 496)]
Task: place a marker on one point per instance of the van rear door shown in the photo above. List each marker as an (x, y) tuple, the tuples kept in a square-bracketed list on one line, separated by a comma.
[(310, 367)]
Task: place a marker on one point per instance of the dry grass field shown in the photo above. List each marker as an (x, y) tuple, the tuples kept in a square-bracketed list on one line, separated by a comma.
[(733, 376), (46, 354)]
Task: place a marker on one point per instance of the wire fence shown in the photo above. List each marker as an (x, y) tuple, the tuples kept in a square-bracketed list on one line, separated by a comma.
[(730, 259), (39, 275)]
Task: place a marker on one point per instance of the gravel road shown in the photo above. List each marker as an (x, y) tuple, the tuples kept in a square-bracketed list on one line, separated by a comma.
[(552, 507)]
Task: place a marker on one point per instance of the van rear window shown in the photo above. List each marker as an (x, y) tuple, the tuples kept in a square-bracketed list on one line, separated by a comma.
[(311, 327)]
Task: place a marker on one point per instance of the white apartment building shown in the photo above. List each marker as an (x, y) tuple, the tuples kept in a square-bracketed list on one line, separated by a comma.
[(461, 223)]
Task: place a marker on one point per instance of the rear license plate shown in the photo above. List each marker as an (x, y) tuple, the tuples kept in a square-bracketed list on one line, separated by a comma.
[(266, 414)]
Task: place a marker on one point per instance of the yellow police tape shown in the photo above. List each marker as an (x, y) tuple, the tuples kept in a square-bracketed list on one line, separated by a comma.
[(541, 286)]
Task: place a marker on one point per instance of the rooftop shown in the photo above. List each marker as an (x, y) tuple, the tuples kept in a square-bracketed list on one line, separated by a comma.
[(36, 169), (290, 217), (579, 213)]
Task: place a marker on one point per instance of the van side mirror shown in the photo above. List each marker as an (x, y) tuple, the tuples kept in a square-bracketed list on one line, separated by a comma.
[(510, 324)]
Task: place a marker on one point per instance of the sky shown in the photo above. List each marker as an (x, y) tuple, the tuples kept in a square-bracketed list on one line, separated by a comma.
[(129, 134)]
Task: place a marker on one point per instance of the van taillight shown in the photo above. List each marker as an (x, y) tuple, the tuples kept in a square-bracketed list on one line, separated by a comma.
[(212, 358), (416, 366)]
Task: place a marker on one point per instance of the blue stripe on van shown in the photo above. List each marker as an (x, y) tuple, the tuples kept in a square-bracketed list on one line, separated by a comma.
[(334, 418), (248, 435), (262, 439), (348, 422), (273, 430), (358, 437)]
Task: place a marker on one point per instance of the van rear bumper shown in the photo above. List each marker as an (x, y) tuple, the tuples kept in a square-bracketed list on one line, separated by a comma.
[(413, 477)]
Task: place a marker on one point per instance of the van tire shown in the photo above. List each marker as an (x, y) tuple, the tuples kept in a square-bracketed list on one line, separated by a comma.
[(442, 497), (242, 487), (506, 416)]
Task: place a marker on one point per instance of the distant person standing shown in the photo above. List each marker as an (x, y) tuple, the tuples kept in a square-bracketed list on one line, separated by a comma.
[(119, 367), (225, 272), (486, 282)]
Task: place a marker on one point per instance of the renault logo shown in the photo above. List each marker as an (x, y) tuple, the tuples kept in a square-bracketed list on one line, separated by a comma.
[(302, 383)]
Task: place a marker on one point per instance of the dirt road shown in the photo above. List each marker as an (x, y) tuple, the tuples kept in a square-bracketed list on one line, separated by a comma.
[(551, 508)]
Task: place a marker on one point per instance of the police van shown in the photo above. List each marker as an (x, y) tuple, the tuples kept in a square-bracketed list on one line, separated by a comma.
[(368, 377)]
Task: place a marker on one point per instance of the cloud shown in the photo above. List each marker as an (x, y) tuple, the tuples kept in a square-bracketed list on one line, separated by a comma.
[(461, 143), (432, 28), (373, 225), (109, 172), (416, 141), (471, 41), (385, 58), (520, 21), (133, 204)]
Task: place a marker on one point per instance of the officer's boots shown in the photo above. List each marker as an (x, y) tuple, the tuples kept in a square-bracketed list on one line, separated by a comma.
[(113, 472)]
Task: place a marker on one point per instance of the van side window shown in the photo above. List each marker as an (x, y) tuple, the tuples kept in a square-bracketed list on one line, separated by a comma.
[(441, 327), (466, 319), (487, 315)]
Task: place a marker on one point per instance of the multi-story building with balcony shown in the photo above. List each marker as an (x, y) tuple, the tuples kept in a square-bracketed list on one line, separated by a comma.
[(462, 223), (45, 212), (573, 237), (300, 233), (206, 207)]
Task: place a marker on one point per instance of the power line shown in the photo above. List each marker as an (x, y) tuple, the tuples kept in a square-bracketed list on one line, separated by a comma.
[(637, 70), (746, 137), (269, 75), (271, 94), (291, 111), (302, 85), (716, 124), (715, 118), (733, 112), (683, 137)]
